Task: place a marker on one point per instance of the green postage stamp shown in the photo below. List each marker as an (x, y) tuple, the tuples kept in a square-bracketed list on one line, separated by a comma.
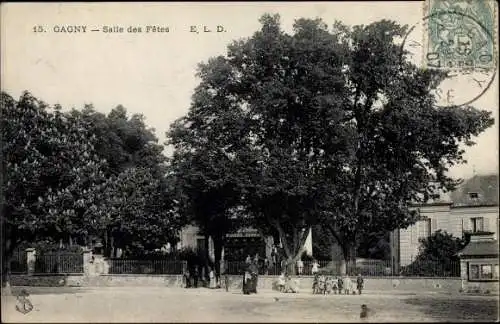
[(460, 34)]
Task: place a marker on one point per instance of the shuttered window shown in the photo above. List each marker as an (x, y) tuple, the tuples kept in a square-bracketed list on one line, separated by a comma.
[(424, 228), (477, 224)]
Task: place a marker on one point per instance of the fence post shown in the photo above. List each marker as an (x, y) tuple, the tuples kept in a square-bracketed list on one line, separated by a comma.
[(30, 260), (86, 261)]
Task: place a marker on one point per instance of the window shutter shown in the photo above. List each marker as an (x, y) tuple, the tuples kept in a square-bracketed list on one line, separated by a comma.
[(486, 224), (467, 224), (433, 225), (480, 224)]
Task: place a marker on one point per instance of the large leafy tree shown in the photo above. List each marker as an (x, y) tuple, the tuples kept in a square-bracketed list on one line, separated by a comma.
[(136, 211), (49, 168), (401, 144), (124, 141), (285, 80), (341, 129), (128, 145), (205, 166)]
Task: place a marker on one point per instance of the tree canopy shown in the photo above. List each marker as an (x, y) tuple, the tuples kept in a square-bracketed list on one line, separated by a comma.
[(335, 126), (49, 167), (70, 175)]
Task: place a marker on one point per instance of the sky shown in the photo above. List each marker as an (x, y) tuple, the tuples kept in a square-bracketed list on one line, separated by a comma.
[(154, 73)]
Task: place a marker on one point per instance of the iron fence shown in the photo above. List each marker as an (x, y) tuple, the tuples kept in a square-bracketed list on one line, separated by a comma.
[(59, 263), (159, 266), (372, 268)]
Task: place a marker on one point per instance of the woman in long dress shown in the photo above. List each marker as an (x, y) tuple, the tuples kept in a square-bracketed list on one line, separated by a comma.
[(247, 278), (212, 283), (254, 272)]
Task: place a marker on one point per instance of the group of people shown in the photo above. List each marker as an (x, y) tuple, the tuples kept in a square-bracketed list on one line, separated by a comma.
[(342, 285), (192, 279), (286, 284)]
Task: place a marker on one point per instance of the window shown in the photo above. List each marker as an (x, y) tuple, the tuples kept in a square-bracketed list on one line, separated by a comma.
[(424, 228), (483, 271), (474, 272), (486, 272), (473, 195), (477, 224)]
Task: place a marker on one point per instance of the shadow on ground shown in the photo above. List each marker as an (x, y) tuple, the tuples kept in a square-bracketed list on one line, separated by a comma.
[(480, 309)]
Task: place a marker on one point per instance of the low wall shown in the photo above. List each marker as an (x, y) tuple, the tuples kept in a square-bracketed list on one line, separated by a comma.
[(481, 287), (380, 284)]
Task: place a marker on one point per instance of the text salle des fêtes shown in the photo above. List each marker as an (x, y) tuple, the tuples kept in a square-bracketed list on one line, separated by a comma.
[(75, 29)]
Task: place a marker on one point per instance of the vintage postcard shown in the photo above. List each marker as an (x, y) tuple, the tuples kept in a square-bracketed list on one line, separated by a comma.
[(249, 161)]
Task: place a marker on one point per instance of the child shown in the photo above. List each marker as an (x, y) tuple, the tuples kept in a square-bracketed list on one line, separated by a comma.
[(281, 282), (340, 285), (292, 286), (23, 305), (315, 267), (315, 287), (328, 285), (347, 285), (365, 312), (334, 286), (359, 283), (322, 284), (300, 266)]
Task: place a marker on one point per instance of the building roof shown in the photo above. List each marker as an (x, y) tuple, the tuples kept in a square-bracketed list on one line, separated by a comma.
[(480, 190), (481, 248)]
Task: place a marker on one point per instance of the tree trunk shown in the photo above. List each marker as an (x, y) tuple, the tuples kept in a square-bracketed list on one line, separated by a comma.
[(6, 260), (293, 251), (218, 247), (348, 264), (207, 255)]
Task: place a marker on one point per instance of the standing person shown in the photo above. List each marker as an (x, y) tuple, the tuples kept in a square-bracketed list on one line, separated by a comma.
[(195, 277), (247, 279), (300, 267), (248, 260), (211, 275), (266, 266), (348, 285), (187, 279), (226, 281), (340, 285), (274, 260), (284, 265), (360, 283), (254, 272), (315, 267), (315, 287)]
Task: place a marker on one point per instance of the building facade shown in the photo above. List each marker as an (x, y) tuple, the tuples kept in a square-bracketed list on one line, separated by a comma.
[(238, 245), (472, 208)]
